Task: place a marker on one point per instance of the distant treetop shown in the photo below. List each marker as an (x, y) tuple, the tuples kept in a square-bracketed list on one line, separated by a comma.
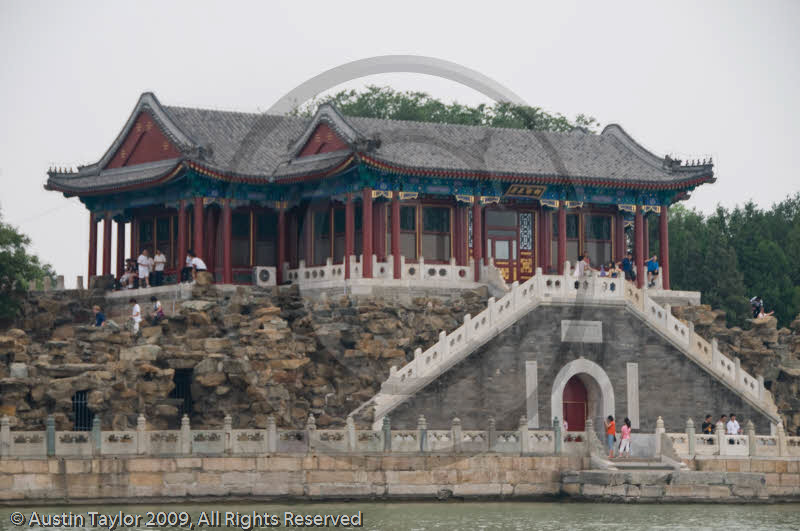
[(390, 104)]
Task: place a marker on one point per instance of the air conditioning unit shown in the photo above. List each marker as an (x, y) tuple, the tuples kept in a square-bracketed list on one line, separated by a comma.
[(263, 276)]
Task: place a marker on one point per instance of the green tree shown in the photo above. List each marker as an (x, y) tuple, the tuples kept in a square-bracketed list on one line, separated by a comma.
[(387, 103), (17, 269)]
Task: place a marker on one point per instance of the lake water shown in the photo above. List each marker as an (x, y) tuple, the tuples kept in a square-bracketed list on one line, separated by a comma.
[(435, 516)]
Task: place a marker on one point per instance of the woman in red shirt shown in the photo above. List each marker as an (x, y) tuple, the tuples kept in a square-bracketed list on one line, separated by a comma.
[(611, 435)]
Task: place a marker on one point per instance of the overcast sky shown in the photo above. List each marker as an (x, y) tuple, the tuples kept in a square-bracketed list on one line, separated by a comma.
[(689, 78)]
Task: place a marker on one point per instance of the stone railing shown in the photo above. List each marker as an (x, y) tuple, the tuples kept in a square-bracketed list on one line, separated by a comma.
[(416, 273), (691, 444), (229, 441), (522, 298)]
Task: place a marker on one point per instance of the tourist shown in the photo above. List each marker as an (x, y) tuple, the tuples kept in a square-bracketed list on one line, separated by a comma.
[(126, 279), (627, 267), (611, 435), (732, 428), (158, 311), (136, 316), (757, 306), (133, 273), (197, 264), (566, 426), (761, 314), (144, 268), (186, 272), (99, 316), (159, 261), (652, 271), (625, 443), (613, 270), (708, 426)]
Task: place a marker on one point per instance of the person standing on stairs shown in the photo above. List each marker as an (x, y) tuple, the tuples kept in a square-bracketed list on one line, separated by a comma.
[(611, 435)]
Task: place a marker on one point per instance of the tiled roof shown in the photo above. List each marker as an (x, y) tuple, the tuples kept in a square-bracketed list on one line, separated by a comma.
[(261, 147)]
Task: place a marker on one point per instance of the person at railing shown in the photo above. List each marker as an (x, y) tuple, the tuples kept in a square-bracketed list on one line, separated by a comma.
[(611, 435), (144, 268), (732, 427), (159, 261), (625, 443), (582, 266), (628, 268), (129, 278), (613, 270), (198, 265), (652, 271), (707, 427)]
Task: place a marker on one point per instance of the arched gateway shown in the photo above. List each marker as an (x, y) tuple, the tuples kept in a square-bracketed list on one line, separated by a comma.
[(581, 389)]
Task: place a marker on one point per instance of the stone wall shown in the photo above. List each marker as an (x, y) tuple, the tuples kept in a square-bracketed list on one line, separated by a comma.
[(492, 381), (252, 352), (138, 480)]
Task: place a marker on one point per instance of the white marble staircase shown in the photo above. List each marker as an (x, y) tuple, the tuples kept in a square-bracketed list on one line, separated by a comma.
[(499, 314)]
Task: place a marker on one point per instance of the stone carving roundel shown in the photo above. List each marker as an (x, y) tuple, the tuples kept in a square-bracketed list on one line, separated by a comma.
[(385, 64)]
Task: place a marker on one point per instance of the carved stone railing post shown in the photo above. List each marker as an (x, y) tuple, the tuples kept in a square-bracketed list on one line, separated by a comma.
[(781, 440), (737, 374), (272, 435), (350, 426), (467, 328), (719, 431), (228, 429), (515, 295), (659, 432), (5, 436), (524, 441), (715, 355), (50, 424), (444, 346), (186, 435), (492, 429), (557, 441), (690, 435), (79, 282), (141, 435), (387, 434), (456, 435), (760, 379), (750, 431), (97, 437), (422, 433), (311, 433)]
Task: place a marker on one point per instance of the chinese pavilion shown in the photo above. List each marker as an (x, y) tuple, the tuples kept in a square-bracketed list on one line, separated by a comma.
[(246, 189)]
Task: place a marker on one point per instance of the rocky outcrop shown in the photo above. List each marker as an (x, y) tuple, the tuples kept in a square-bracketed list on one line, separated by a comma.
[(763, 348), (252, 354)]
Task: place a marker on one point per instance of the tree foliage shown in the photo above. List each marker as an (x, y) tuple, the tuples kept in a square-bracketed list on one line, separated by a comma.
[(17, 269), (733, 255), (390, 104)]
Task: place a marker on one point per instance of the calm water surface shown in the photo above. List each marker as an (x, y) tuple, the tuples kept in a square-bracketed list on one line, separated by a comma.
[(454, 515)]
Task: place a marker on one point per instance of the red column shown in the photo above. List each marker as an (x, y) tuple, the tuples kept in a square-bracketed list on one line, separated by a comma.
[(459, 238), (366, 231), (477, 236), (396, 234), (120, 248), (210, 243), (638, 246), (540, 240), (294, 238), (646, 238), (106, 244), (663, 240), (548, 240), (308, 237), (199, 222), (349, 232), (134, 237), (619, 237), (379, 236), (281, 244), (182, 245), (562, 237), (227, 264), (92, 247)]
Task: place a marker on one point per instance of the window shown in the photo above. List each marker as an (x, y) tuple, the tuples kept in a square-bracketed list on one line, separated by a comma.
[(240, 239), (145, 235), (82, 415), (597, 243), (266, 238), (435, 233), (573, 245), (322, 236), (338, 235)]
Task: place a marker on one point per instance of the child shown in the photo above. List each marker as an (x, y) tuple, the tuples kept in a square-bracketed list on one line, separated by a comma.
[(99, 316), (136, 316), (158, 311), (625, 443)]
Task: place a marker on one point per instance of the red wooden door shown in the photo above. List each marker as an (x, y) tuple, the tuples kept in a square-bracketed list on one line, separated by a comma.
[(503, 252), (575, 404)]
